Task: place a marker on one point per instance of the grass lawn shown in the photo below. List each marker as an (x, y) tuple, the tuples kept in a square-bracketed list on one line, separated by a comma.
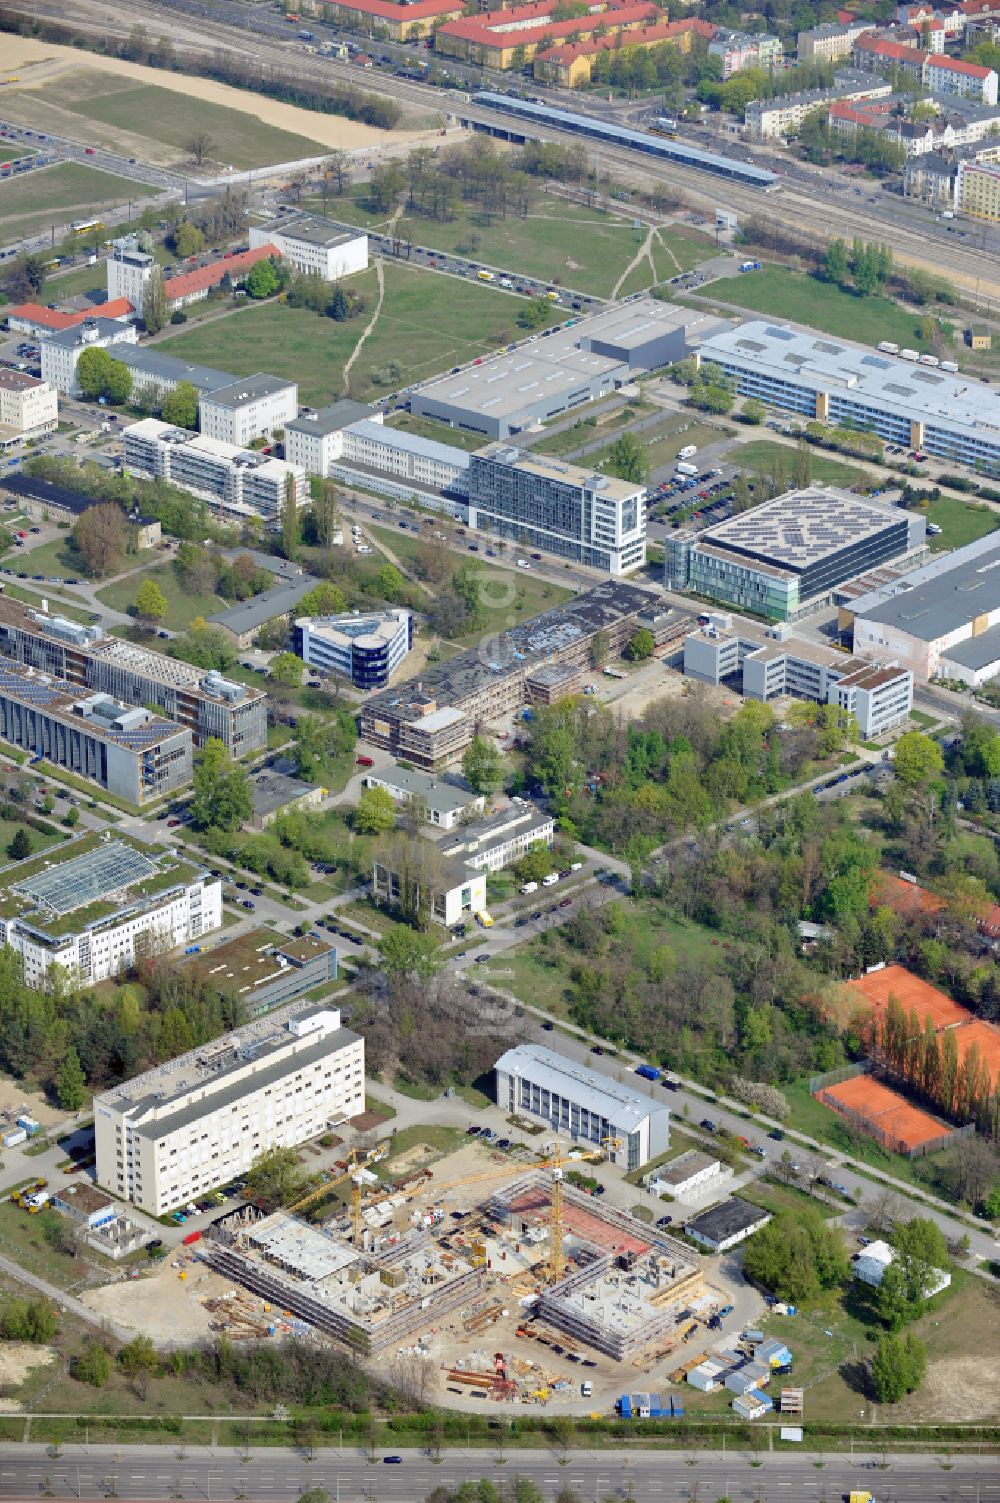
[(441, 433), (428, 323), (508, 598), (21, 1235), (182, 606), (960, 522), (804, 299), (567, 244), (170, 118), (762, 453), (59, 557), (785, 1198), (39, 841), (54, 194), (439, 1141), (541, 970)]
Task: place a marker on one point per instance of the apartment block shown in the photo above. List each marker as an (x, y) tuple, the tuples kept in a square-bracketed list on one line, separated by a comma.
[(90, 907), (313, 244), (737, 50), (173, 1134), (252, 407), (977, 190), (508, 38), (576, 513), (203, 702), (830, 43), (235, 482), (29, 408), (768, 119)]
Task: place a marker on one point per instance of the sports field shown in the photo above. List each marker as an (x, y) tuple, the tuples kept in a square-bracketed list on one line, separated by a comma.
[(802, 298), (986, 1038), (883, 1113), (912, 993), (428, 323), (53, 195)]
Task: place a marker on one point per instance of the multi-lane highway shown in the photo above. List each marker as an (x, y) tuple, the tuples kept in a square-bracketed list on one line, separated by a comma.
[(152, 1473)]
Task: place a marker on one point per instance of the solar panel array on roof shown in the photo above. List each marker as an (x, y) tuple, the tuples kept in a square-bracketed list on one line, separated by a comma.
[(87, 879)]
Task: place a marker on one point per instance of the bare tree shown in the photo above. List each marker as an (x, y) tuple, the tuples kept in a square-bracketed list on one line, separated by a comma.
[(198, 146)]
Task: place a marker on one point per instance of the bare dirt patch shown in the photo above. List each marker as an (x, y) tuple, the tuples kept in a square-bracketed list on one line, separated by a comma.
[(17, 1360), (163, 1305)]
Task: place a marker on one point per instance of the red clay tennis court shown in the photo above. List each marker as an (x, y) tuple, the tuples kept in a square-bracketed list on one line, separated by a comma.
[(987, 1037), (883, 1114), (896, 981)]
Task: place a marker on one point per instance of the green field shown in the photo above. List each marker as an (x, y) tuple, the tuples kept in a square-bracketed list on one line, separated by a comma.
[(53, 195), (509, 597), (59, 557), (804, 299), (119, 107), (427, 324), (182, 606), (563, 243), (441, 433), (761, 454), (960, 522), (663, 441)]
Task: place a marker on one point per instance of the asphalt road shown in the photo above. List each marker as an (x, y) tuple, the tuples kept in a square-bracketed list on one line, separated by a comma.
[(150, 1473)]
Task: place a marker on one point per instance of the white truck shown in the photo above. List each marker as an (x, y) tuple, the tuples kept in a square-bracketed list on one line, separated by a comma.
[(688, 451), (689, 471)]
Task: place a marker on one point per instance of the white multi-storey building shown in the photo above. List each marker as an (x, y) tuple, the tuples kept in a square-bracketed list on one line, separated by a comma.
[(250, 408), (313, 244), (28, 407), (130, 271), (539, 502), (183, 1129), (61, 351), (101, 903), (315, 440), (236, 482), (367, 649)]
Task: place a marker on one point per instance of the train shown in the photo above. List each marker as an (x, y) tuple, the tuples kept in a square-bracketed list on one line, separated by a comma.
[(532, 111)]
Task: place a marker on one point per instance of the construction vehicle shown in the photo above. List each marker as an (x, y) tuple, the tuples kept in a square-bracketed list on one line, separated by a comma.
[(862, 1496)]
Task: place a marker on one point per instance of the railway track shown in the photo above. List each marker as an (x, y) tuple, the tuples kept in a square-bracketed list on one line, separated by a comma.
[(819, 216)]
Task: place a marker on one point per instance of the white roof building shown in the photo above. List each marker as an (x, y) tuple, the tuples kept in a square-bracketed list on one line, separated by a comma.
[(871, 1263)]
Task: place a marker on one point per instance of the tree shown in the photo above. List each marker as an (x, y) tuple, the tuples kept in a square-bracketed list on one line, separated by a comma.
[(276, 1178), (835, 265), (287, 669), (20, 845), (641, 646), (534, 313), (98, 375), (796, 1255), (28, 1320), (117, 383), (917, 758), (138, 1361), (188, 239), (753, 411), (180, 406), (390, 582), (898, 1366), (406, 952), (291, 530), (262, 280), (375, 813), (222, 797), (72, 1086), (482, 765), (154, 303), (325, 521), (91, 1364), (198, 145), (628, 459), (150, 602), (338, 308), (325, 600), (536, 863)]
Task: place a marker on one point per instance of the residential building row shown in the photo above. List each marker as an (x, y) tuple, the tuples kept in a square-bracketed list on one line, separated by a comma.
[(90, 908), (507, 38), (955, 123), (934, 70), (916, 401), (570, 64), (203, 702), (783, 559), (430, 720), (236, 482), (977, 190), (179, 1131), (773, 662), (769, 119), (130, 271)]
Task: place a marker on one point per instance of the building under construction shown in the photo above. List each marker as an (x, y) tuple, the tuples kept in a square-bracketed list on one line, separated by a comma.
[(370, 1300), (628, 1290)]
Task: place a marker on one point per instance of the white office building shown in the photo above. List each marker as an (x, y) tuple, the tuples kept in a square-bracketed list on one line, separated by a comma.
[(252, 407), (61, 351), (689, 1176), (459, 891), (29, 408), (583, 1104), (182, 1129), (313, 244), (315, 440), (439, 801), (130, 271), (904, 398), (365, 648), (544, 503), (775, 663), (98, 905), (422, 464), (503, 838), (235, 482)]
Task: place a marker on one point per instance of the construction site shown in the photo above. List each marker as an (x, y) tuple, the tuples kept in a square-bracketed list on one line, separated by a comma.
[(506, 1292)]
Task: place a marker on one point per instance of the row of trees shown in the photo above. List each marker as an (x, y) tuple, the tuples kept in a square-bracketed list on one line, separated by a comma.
[(180, 514), (877, 152), (958, 1082), (865, 266)]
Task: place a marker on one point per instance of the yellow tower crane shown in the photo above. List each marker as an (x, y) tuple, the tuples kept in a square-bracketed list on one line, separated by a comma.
[(356, 1158)]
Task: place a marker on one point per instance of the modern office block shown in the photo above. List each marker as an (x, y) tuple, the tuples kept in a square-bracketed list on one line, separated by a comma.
[(314, 244), (365, 648), (251, 407)]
